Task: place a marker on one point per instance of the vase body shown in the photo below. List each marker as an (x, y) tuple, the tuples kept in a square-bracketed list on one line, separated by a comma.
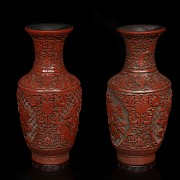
[(138, 100), (49, 99)]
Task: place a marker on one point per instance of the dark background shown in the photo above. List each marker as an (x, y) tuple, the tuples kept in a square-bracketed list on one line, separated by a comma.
[(93, 52)]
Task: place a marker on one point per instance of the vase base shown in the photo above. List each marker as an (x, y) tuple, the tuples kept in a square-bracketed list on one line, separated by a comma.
[(49, 167), (136, 168), (136, 160), (50, 159)]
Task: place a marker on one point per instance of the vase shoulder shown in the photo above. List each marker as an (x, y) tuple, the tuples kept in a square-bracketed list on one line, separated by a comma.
[(139, 81), (59, 82)]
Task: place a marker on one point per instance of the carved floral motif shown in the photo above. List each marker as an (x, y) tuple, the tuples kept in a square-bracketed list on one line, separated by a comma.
[(49, 120), (138, 121)]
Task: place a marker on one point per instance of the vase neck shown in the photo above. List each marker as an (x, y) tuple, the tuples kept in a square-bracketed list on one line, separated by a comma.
[(48, 52), (140, 52)]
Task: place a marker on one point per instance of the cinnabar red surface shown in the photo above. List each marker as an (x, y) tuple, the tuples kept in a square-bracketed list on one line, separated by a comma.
[(49, 99), (138, 100)]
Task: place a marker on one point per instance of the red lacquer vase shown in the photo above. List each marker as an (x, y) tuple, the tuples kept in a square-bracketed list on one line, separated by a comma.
[(138, 100), (49, 99)]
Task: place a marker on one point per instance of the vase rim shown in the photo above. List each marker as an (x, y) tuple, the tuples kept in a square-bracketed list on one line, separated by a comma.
[(141, 29), (48, 27)]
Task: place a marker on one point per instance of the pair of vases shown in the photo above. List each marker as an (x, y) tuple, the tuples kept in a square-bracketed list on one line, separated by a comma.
[(138, 100)]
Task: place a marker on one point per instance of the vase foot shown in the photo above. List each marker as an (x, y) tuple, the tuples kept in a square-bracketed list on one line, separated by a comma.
[(49, 167), (136, 164), (136, 160), (50, 163), (136, 168), (50, 159)]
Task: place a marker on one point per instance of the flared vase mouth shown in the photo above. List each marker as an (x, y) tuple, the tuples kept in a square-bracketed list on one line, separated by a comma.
[(141, 29), (48, 28)]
